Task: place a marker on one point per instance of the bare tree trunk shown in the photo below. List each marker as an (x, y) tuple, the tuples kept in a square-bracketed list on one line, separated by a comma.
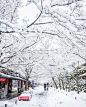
[(77, 84), (26, 84), (59, 84), (54, 83), (63, 85)]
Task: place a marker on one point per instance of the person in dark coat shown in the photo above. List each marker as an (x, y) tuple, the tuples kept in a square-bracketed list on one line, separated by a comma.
[(47, 86), (44, 86)]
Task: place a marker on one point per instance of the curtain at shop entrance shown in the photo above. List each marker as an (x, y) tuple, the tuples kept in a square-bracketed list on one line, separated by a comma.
[(2, 88), (14, 85)]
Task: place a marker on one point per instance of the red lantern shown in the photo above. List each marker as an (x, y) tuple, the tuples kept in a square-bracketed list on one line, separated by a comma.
[(22, 82)]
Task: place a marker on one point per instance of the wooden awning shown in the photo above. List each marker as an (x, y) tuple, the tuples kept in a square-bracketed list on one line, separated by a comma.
[(10, 77)]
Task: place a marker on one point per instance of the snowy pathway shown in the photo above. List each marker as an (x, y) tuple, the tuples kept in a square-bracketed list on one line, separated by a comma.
[(51, 98)]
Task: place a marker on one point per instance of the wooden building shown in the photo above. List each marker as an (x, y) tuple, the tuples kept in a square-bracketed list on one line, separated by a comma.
[(11, 83)]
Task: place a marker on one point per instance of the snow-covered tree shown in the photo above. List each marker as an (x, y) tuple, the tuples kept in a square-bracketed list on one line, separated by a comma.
[(55, 34)]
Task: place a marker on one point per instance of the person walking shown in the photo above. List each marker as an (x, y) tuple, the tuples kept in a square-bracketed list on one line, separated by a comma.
[(44, 86), (47, 86)]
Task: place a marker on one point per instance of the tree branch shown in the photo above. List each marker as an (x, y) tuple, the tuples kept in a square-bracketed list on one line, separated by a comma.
[(80, 56), (37, 17), (65, 4), (2, 61)]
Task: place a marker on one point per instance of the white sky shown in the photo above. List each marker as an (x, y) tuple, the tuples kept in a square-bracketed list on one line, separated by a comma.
[(27, 12)]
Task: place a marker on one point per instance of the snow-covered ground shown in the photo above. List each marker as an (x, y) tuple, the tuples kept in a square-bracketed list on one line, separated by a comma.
[(50, 98)]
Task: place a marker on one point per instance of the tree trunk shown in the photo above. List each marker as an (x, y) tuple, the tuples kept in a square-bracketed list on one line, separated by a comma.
[(59, 84), (26, 84), (63, 85), (54, 82), (77, 84)]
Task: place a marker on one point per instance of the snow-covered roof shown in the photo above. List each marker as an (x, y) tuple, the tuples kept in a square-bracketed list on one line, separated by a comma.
[(12, 77)]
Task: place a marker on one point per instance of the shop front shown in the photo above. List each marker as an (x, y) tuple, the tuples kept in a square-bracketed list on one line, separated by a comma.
[(2, 88), (10, 86)]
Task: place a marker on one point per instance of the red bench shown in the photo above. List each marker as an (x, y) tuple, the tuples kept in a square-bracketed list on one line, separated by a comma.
[(25, 97)]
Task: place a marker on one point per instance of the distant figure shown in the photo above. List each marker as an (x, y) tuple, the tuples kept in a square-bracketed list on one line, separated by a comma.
[(44, 86), (32, 84), (47, 86)]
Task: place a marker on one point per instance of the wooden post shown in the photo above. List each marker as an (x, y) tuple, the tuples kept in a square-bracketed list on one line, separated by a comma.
[(5, 105), (15, 101)]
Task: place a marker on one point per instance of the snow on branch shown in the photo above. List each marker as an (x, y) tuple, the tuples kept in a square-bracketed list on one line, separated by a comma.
[(12, 26), (80, 56), (8, 59), (38, 16), (63, 4)]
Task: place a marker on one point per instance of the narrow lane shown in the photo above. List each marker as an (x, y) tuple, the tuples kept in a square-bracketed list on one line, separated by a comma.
[(51, 98)]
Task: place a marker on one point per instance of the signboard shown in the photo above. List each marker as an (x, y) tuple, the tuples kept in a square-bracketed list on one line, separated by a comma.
[(2, 79)]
